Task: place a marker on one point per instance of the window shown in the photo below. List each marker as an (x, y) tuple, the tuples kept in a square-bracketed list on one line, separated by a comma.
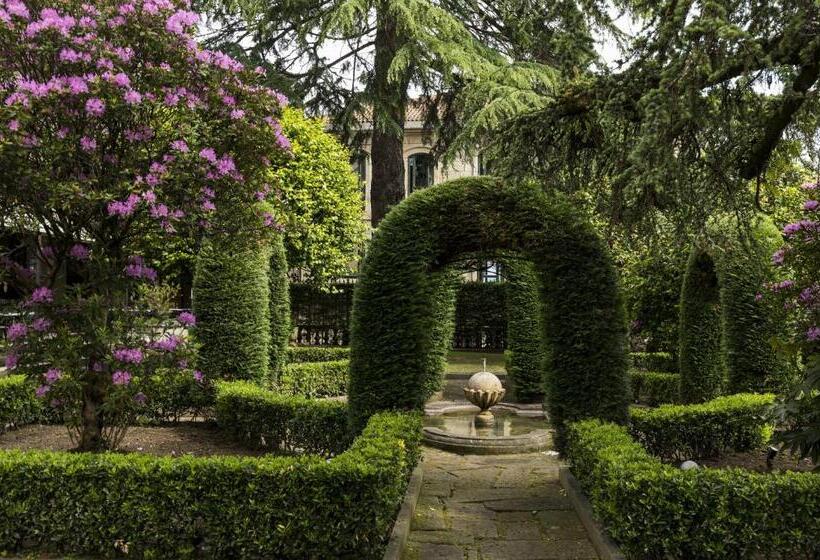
[(420, 171), (490, 272), (484, 166), (360, 167)]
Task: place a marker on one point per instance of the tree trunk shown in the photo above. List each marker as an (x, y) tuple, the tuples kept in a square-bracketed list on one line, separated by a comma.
[(389, 98), (91, 438)]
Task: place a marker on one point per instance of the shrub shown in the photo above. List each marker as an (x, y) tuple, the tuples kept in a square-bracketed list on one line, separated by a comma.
[(654, 361), (211, 507), (230, 297), (654, 388), (324, 200), (307, 354), (725, 330), (279, 309), (396, 350), (315, 380), (736, 422), (658, 512), (526, 355), (18, 405), (171, 396), (281, 422)]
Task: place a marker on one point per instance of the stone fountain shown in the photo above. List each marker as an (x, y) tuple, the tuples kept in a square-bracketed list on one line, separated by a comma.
[(484, 390)]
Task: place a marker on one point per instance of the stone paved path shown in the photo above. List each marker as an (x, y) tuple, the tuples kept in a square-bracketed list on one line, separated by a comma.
[(484, 507)]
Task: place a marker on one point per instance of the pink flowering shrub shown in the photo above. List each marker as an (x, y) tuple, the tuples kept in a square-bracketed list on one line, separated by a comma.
[(800, 298), (115, 125)]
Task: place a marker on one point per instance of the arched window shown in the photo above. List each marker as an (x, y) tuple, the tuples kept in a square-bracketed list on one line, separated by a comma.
[(419, 171), (484, 165)]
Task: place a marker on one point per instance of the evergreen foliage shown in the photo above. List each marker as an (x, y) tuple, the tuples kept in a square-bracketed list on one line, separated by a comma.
[(231, 302), (725, 330), (526, 354), (397, 346), (279, 309)]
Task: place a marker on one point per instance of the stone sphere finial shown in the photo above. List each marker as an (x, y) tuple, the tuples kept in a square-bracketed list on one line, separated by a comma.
[(484, 390)]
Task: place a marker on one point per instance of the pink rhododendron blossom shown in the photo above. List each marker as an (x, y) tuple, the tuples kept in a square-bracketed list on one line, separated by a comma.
[(121, 377), (778, 257), (42, 295), (95, 107), (179, 146), (53, 375), (128, 355), (136, 268), (813, 334), (14, 125), (11, 360), (79, 252), (178, 21), (208, 154), (41, 324), (132, 97), (237, 114), (17, 8), (88, 144), (140, 398), (187, 319), (199, 377), (811, 205), (16, 331), (123, 207), (167, 344), (42, 390)]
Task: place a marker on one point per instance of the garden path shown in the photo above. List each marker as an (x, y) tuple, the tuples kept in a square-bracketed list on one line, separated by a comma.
[(485, 507)]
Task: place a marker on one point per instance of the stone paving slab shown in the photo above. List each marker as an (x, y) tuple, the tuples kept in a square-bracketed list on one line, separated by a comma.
[(483, 507)]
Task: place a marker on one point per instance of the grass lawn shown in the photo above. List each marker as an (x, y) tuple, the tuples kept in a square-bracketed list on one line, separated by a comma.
[(470, 362)]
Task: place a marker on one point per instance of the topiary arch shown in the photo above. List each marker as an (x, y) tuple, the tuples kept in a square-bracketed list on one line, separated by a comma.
[(725, 330), (403, 301)]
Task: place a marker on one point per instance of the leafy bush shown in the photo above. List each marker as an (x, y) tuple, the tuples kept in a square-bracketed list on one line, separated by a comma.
[(230, 297), (170, 396), (325, 230), (279, 309), (526, 355), (480, 308), (281, 422), (725, 329), (654, 361), (397, 354), (654, 387), (315, 380), (18, 404), (308, 354), (212, 507), (658, 512), (736, 422)]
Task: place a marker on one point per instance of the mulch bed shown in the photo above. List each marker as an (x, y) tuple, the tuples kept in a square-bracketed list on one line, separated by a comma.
[(756, 461), (186, 438)]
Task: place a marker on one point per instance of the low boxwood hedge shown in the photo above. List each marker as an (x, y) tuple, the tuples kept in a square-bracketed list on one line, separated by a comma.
[(18, 404), (303, 354), (214, 507), (654, 387), (656, 511), (315, 380), (735, 422), (653, 361), (172, 396), (281, 422)]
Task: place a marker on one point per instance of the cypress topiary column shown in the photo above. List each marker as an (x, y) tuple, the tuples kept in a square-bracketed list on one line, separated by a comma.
[(279, 304), (526, 352), (231, 303)]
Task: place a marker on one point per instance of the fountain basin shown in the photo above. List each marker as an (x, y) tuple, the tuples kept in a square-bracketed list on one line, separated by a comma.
[(517, 429)]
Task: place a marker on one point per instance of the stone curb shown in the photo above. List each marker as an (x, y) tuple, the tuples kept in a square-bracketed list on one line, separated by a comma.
[(401, 528), (604, 546)]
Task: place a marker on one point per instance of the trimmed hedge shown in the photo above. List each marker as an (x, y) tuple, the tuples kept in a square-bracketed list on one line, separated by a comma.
[(172, 395), (526, 355), (18, 404), (736, 422), (396, 326), (315, 380), (480, 315), (231, 303), (725, 332), (309, 354), (654, 387), (213, 507), (655, 511), (279, 306), (263, 418), (654, 361)]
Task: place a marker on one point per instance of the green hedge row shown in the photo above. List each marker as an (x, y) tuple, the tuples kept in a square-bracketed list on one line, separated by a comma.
[(654, 387), (172, 396), (526, 354), (735, 422), (18, 404), (303, 354), (315, 380), (658, 512), (278, 308), (281, 422), (211, 508), (654, 361)]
